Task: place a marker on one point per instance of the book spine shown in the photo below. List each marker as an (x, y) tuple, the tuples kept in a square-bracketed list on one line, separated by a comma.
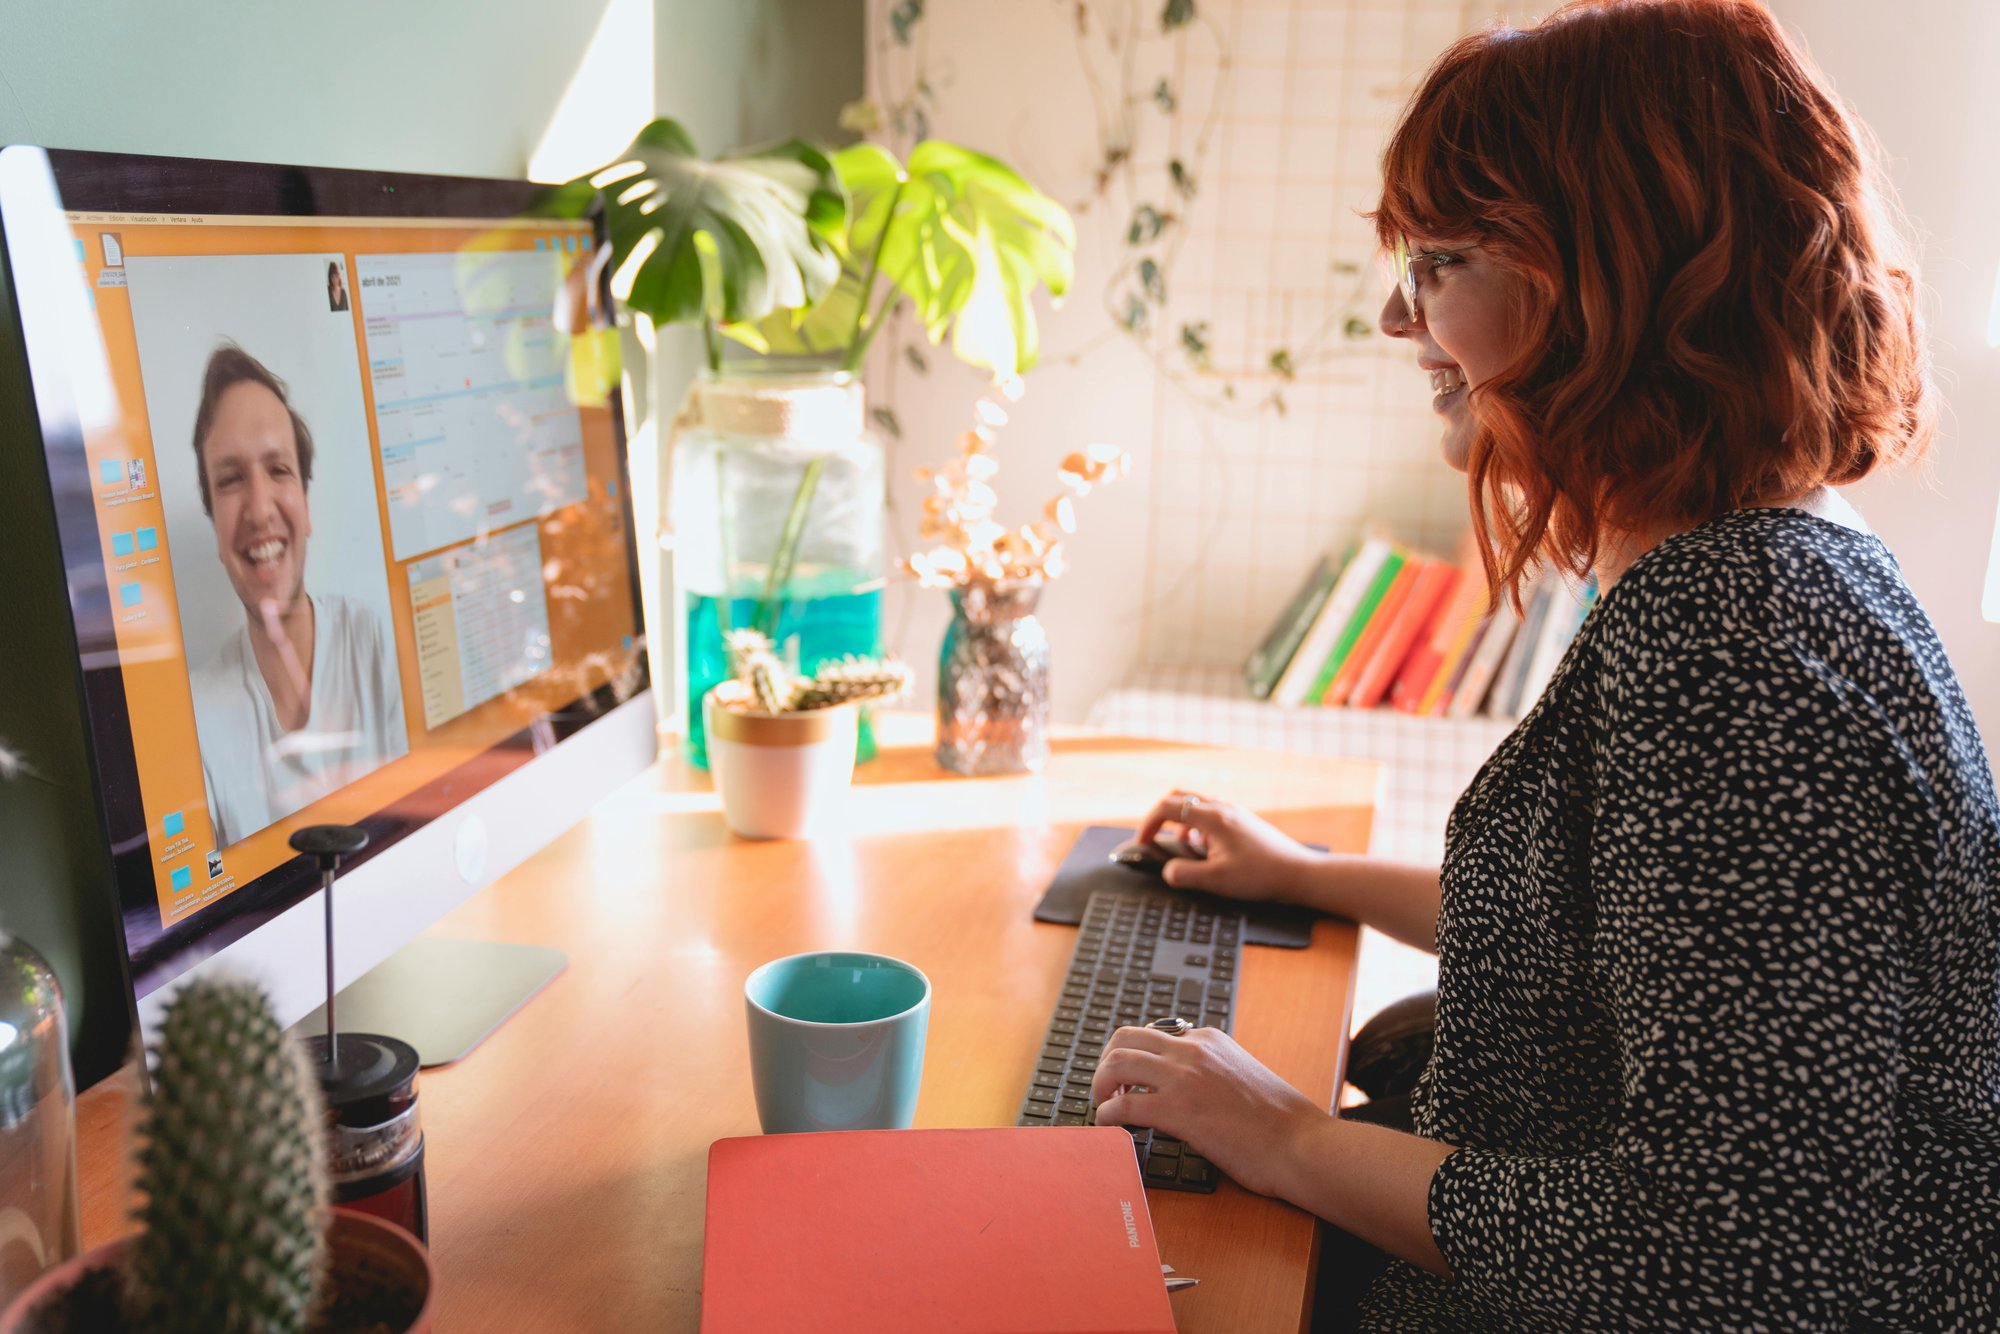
[(1465, 639), (1296, 680), (1484, 663), (1275, 653), (1424, 679), (1505, 701), (1433, 583), (1454, 675), (1364, 611), (1373, 630), (1566, 615)]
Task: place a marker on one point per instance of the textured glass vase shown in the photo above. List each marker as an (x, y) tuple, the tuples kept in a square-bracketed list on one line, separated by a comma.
[(993, 682)]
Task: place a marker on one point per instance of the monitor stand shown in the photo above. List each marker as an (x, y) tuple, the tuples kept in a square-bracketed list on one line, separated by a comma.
[(441, 996)]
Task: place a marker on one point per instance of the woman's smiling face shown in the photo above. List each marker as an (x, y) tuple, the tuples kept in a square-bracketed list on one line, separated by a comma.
[(1464, 329)]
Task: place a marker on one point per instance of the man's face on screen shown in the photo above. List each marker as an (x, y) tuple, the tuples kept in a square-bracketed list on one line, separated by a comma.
[(261, 517)]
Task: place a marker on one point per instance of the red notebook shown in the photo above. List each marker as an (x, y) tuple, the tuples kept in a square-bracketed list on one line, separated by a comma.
[(1008, 1230)]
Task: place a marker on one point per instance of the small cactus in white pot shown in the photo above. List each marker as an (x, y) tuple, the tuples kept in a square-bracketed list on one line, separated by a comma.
[(781, 744)]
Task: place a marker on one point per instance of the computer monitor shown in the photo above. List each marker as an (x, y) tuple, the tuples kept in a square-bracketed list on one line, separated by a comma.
[(317, 514)]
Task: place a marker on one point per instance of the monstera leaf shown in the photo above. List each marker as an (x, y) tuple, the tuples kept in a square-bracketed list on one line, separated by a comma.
[(729, 240), (958, 234), (968, 242)]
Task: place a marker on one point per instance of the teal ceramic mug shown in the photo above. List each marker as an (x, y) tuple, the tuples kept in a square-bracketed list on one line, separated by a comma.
[(837, 1041)]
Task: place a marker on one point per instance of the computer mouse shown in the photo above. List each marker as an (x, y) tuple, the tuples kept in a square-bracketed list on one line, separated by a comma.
[(1152, 857)]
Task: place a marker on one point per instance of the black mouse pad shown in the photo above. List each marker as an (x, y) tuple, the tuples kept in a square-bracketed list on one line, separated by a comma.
[(1089, 868)]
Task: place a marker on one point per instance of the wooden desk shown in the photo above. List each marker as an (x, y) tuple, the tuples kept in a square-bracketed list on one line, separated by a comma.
[(567, 1155)]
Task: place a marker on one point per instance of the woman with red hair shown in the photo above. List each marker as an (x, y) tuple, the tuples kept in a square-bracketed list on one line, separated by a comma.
[(1718, 1019)]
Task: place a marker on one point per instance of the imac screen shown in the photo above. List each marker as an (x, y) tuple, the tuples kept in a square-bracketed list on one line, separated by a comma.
[(357, 495)]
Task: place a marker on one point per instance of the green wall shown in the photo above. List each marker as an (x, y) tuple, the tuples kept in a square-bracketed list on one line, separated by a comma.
[(462, 86)]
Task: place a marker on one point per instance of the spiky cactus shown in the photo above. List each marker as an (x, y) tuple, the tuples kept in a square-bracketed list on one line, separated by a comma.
[(754, 660), (848, 681), (232, 1166), (770, 683)]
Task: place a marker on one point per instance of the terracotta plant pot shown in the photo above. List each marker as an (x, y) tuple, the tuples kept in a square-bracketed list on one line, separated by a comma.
[(369, 1256), (780, 775)]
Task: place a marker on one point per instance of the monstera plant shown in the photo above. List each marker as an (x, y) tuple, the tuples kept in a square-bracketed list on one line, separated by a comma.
[(805, 256), (786, 249), (722, 242), (958, 235)]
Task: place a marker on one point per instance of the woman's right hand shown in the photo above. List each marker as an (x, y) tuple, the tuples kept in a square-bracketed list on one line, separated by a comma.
[(1246, 857)]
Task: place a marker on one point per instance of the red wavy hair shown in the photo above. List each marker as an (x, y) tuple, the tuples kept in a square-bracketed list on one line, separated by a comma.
[(1715, 311)]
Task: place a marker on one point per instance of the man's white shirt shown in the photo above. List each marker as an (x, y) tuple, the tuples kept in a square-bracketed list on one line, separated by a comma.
[(258, 772)]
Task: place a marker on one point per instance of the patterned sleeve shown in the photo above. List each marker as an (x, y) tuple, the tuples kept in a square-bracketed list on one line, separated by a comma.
[(1758, 834)]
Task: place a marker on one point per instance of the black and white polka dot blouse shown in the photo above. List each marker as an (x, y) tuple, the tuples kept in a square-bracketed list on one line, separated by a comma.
[(1717, 968)]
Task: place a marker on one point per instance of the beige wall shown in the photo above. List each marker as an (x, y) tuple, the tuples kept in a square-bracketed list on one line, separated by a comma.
[(1923, 76), (1281, 111), (1228, 504)]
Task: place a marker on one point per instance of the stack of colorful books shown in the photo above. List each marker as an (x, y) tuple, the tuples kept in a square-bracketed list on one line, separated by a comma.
[(1383, 623)]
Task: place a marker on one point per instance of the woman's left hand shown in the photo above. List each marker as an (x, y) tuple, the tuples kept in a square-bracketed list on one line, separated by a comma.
[(1205, 1089)]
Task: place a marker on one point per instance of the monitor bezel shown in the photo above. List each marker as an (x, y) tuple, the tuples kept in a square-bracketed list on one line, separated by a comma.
[(120, 183)]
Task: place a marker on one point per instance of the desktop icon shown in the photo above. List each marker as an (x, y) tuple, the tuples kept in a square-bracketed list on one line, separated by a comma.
[(121, 544), (135, 473), (182, 879), (148, 538), (129, 595), (173, 824), (114, 249), (110, 472), (214, 863)]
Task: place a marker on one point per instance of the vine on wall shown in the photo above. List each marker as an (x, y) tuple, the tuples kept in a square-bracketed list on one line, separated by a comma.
[(1155, 125)]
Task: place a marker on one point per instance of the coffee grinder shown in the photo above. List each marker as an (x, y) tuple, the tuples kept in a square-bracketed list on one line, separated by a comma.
[(374, 1137)]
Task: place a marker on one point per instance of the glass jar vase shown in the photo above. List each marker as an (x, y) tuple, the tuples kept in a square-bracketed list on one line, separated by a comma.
[(38, 1184), (993, 681), (778, 518)]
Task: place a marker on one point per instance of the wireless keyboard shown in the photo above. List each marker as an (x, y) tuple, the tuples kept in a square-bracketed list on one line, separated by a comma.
[(1140, 956)]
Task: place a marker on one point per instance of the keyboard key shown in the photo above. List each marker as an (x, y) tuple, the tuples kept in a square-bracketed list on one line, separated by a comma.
[(1123, 971)]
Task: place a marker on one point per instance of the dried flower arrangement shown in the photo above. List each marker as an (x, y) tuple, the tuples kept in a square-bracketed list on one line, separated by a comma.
[(774, 688), (968, 544)]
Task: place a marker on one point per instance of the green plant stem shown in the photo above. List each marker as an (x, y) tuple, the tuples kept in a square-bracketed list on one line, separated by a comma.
[(712, 338), (769, 603), (888, 308), (724, 620), (785, 559), (857, 345)]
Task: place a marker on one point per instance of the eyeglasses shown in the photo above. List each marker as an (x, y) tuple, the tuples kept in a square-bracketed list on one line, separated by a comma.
[(1409, 268)]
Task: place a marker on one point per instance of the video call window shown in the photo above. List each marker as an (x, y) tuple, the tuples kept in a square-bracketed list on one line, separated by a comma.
[(366, 495)]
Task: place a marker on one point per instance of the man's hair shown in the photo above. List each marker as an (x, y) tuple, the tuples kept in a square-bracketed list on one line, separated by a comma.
[(1715, 312), (229, 366)]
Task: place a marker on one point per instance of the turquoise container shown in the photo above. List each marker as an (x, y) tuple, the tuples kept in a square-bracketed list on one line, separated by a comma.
[(778, 488), (837, 1041), (821, 621)]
